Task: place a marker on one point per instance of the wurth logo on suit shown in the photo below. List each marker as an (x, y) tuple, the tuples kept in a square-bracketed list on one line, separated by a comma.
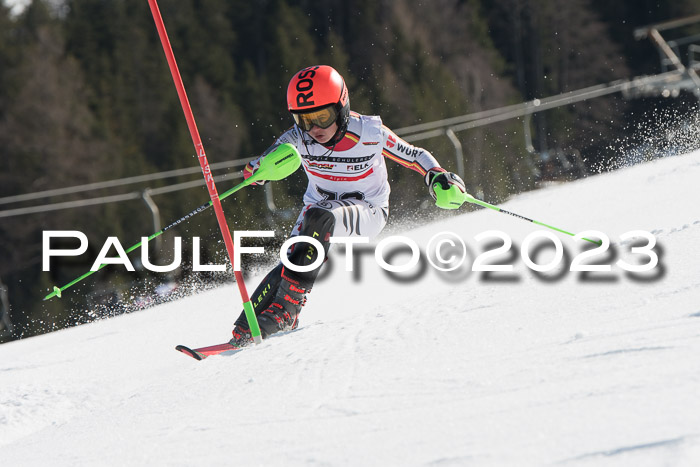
[(410, 151)]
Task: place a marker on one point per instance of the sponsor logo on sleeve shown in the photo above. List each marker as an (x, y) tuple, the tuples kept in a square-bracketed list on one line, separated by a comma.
[(409, 150)]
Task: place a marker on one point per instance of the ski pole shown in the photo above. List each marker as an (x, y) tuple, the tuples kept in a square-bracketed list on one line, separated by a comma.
[(206, 171), (471, 199), (276, 165), (453, 198)]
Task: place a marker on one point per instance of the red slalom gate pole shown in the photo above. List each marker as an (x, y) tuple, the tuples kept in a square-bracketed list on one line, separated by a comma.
[(206, 171)]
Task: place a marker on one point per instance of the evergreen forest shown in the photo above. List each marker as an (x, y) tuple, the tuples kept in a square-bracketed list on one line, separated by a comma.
[(86, 96)]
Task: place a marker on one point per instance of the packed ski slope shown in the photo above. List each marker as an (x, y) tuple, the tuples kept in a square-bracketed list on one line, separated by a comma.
[(441, 369)]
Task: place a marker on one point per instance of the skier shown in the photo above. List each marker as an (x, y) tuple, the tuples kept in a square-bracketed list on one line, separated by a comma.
[(343, 154)]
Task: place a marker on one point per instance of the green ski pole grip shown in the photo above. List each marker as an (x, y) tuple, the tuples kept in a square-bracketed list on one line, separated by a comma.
[(452, 198)]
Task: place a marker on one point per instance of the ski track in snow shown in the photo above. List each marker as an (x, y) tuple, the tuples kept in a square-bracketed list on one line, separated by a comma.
[(458, 369)]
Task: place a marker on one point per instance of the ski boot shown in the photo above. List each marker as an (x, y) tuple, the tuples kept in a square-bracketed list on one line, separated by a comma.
[(241, 336), (283, 313)]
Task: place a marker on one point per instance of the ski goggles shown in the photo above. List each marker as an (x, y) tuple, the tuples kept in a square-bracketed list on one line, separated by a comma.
[(322, 118)]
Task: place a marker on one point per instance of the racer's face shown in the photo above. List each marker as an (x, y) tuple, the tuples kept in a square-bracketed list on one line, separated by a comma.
[(323, 135)]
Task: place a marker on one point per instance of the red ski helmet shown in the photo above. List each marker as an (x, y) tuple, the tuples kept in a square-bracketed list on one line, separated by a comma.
[(317, 95)]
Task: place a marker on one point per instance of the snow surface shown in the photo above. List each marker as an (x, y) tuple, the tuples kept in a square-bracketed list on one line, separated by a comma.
[(445, 369)]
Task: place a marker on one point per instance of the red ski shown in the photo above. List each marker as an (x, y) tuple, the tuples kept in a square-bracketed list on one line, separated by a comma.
[(204, 352)]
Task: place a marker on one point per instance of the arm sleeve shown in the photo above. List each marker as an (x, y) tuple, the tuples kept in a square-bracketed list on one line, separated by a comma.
[(407, 155)]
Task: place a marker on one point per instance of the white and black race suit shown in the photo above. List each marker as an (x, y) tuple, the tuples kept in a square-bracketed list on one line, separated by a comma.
[(350, 178)]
